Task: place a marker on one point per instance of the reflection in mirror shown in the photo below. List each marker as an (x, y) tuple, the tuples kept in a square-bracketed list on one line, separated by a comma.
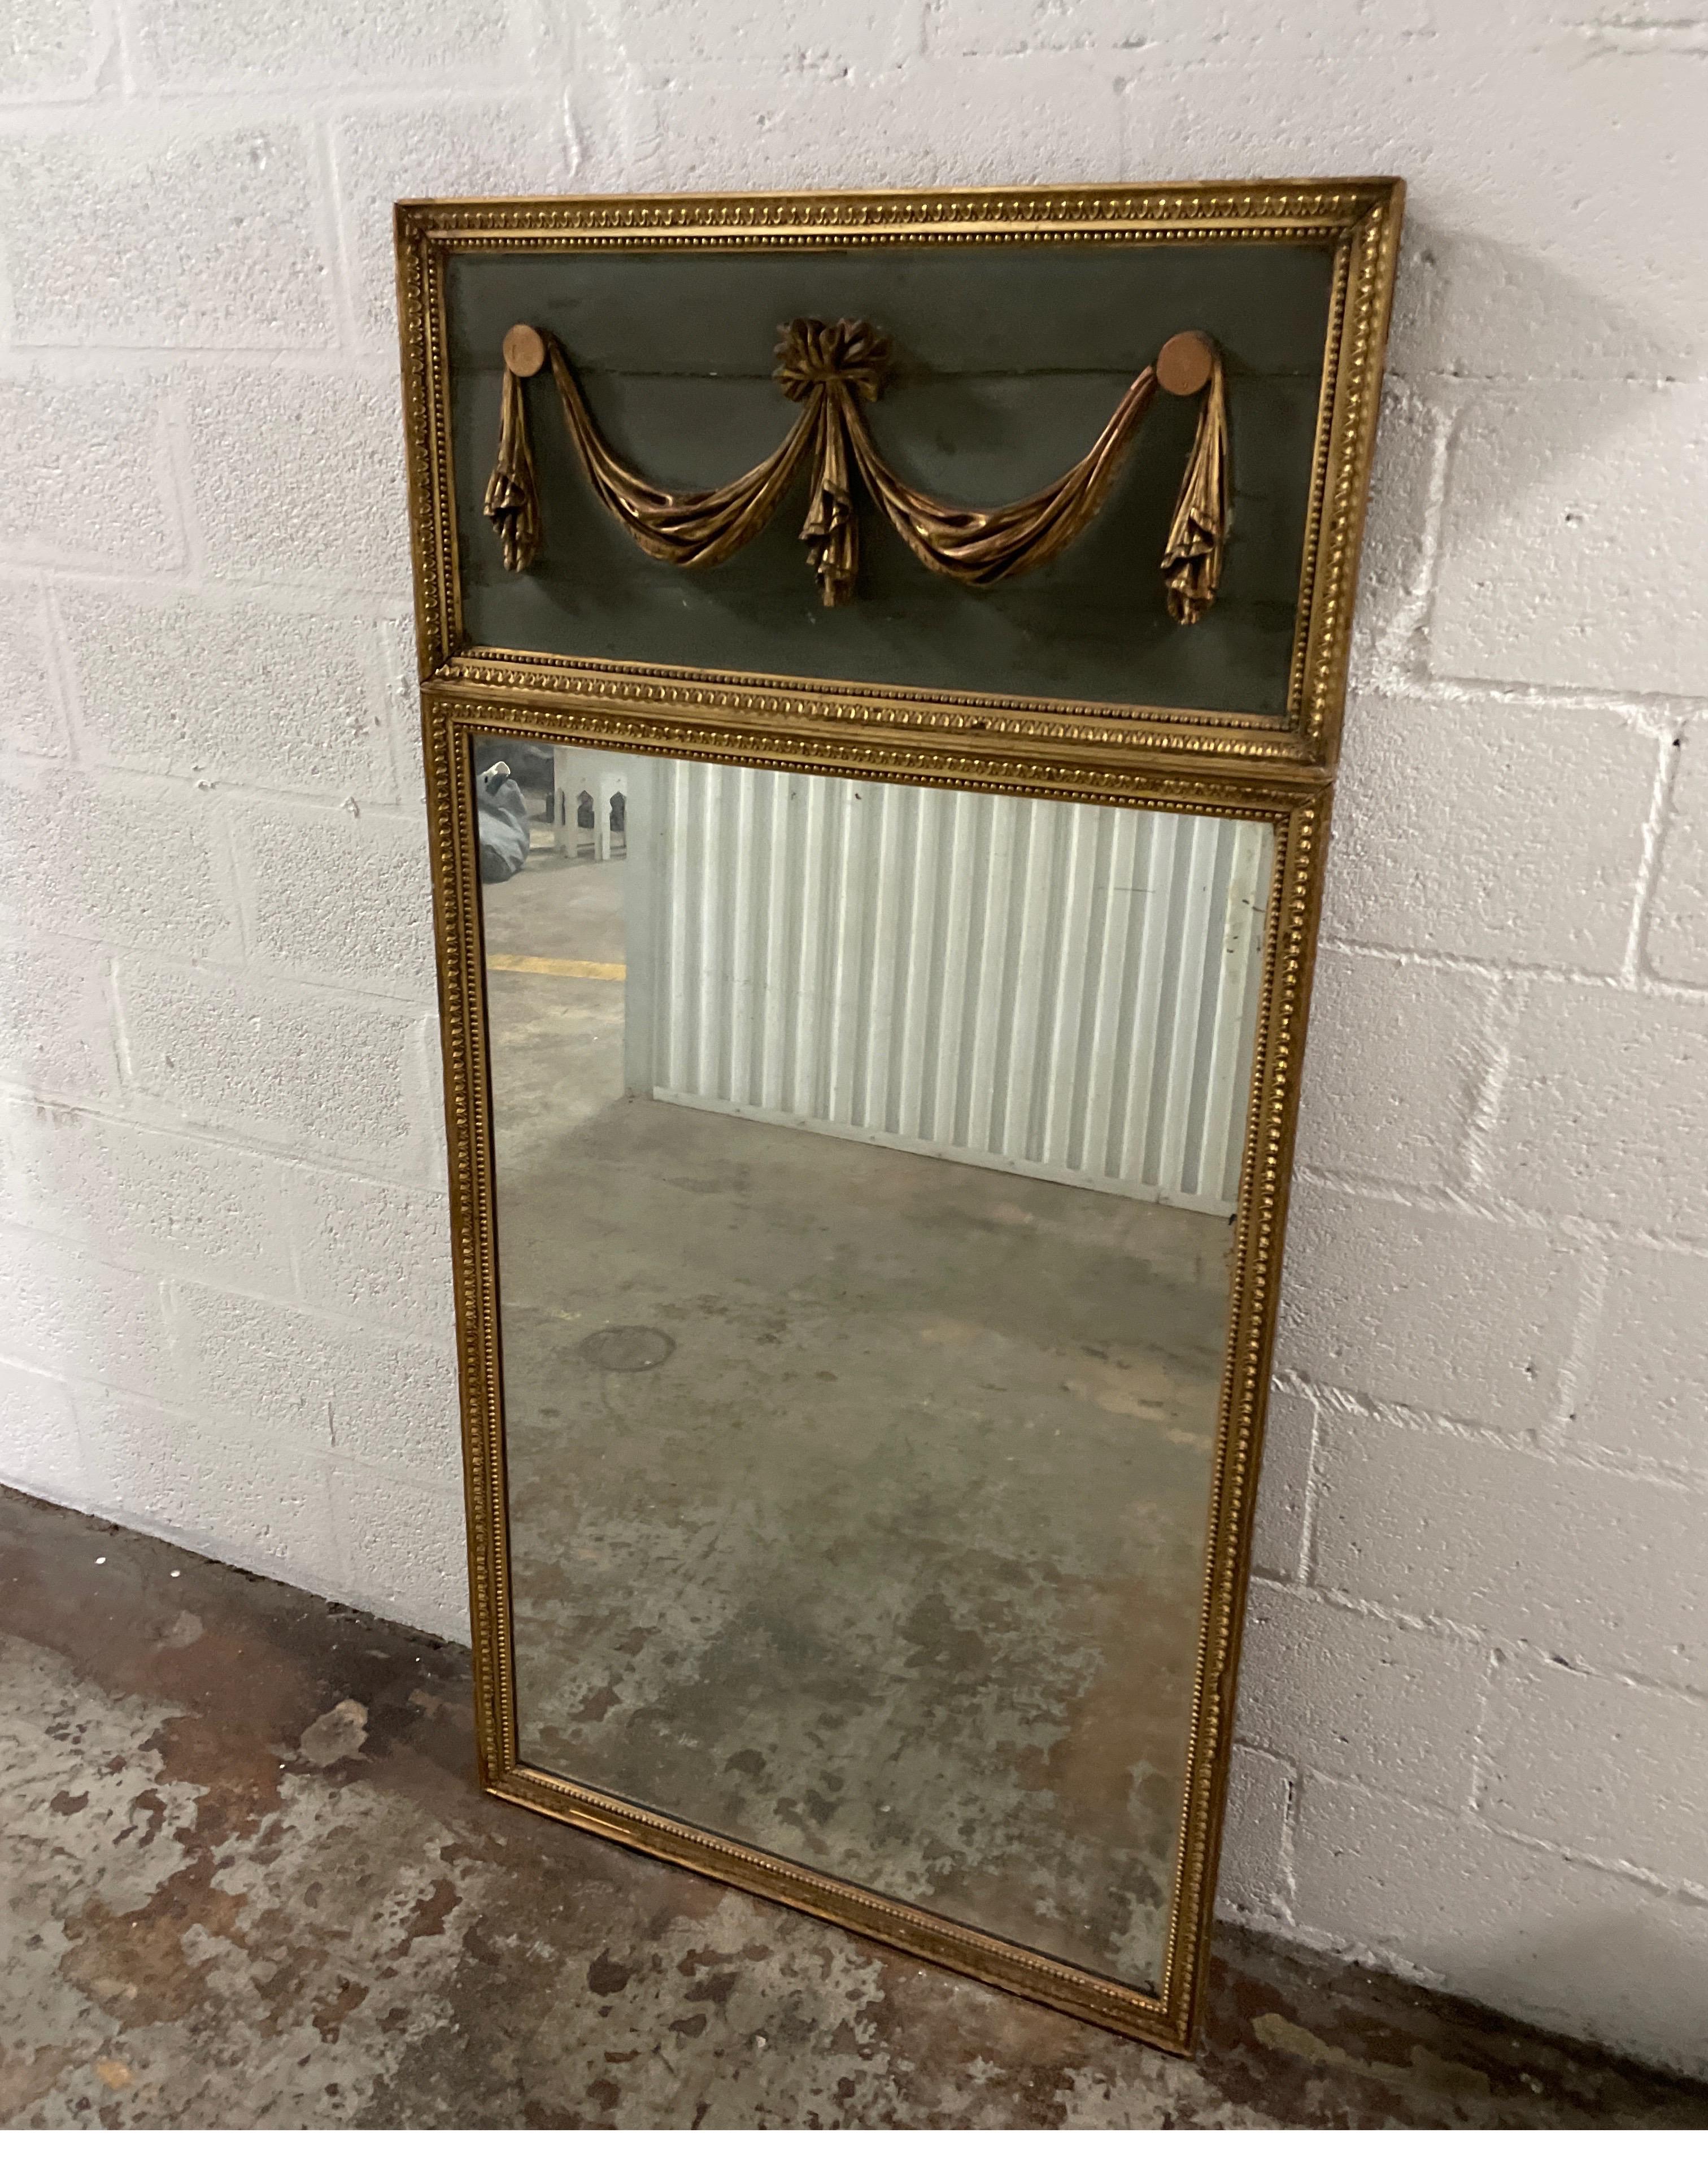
[(866, 1161)]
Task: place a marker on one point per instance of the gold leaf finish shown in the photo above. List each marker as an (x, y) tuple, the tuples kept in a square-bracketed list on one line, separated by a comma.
[(833, 371), (1278, 770), (1197, 536)]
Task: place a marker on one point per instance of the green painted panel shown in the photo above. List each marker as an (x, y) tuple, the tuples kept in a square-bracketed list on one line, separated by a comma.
[(1008, 362)]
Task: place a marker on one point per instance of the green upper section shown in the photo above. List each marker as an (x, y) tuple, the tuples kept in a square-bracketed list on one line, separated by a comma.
[(1008, 362)]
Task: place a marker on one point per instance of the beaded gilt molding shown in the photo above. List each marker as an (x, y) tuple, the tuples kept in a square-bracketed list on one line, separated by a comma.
[(1277, 772)]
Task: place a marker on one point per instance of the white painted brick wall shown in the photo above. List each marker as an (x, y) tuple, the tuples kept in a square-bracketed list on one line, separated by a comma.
[(164, 680), (190, 234), (1477, 1683), (114, 507)]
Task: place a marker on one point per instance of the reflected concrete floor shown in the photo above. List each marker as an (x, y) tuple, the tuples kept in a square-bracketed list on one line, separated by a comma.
[(247, 1881), (892, 1564)]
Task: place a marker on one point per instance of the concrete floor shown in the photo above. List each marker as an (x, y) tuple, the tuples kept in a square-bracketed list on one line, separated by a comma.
[(890, 1560), (248, 1882)]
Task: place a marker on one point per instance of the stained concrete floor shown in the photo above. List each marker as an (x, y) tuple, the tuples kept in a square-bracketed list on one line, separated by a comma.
[(890, 1562), (248, 1882)]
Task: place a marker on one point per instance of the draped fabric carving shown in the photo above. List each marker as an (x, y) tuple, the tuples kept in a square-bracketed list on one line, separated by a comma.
[(833, 371)]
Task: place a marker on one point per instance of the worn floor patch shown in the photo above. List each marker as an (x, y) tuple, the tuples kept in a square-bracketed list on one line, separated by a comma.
[(249, 1883)]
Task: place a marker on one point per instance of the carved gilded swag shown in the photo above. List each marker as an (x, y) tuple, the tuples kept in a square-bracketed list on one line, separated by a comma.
[(833, 371)]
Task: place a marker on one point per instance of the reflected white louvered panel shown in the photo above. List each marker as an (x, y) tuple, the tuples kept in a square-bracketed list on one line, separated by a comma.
[(1046, 988)]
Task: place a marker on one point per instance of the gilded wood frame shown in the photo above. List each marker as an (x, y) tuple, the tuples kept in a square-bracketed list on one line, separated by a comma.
[(1279, 771)]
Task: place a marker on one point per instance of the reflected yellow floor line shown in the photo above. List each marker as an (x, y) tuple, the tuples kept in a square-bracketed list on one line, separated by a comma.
[(544, 965)]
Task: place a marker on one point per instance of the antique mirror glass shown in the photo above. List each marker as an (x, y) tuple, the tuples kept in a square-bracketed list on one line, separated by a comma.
[(882, 664), (867, 1158)]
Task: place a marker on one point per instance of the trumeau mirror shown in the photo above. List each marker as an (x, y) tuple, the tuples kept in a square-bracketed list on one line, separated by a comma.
[(882, 664)]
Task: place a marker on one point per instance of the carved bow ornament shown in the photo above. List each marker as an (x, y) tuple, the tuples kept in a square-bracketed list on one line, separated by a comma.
[(833, 371)]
